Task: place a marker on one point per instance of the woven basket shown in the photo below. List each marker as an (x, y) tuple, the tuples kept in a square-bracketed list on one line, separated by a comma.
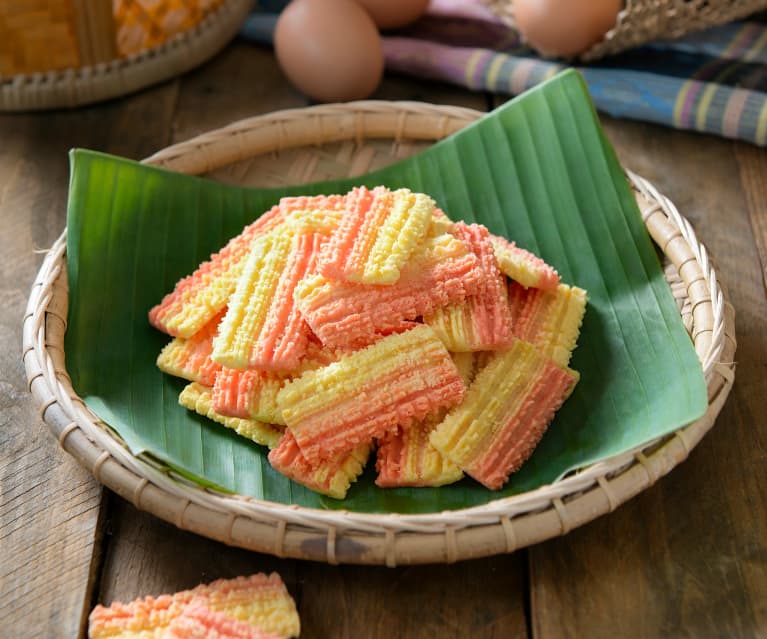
[(66, 53), (296, 146), (641, 21)]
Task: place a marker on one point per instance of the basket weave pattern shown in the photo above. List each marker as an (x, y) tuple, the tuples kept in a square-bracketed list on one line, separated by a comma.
[(143, 24), (641, 21), (343, 140), (38, 34), (155, 45), (645, 20)]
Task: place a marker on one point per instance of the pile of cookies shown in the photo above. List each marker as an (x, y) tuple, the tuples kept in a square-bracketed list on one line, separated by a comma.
[(339, 325), (255, 607)]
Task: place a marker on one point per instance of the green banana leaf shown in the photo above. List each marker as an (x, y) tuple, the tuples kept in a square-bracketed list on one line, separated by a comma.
[(538, 170)]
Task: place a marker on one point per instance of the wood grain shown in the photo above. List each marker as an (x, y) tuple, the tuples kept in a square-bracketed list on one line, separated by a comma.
[(684, 559), (482, 598), (49, 506), (147, 556), (752, 164)]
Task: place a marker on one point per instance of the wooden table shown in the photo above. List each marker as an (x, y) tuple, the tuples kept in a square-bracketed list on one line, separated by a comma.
[(688, 557)]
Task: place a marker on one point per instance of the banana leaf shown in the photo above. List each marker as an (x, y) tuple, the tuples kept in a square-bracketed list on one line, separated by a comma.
[(538, 170)]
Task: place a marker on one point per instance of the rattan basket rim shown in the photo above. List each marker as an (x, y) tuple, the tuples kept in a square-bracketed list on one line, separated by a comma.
[(348, 537), (89, 84)]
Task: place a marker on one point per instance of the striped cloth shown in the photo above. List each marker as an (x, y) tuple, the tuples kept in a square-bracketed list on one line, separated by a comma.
[(713, 81)]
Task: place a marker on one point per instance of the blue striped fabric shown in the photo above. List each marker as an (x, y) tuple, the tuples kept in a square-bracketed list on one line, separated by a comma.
[(713, 81)]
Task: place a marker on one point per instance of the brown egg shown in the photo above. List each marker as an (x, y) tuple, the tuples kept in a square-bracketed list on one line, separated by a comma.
[(564, 27), (393, 14), (329, 49)]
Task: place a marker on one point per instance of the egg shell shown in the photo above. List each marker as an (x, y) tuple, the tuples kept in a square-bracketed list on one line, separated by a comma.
[(329, 49), (393, 14), (564, 28)]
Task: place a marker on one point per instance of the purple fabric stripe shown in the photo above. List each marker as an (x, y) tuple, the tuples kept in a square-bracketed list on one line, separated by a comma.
[(739, 44)]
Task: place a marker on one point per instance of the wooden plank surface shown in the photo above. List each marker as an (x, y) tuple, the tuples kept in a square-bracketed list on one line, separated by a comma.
[(482, 598), (752, 165), (144, 556), (49, 506), (685, 558), (241, 82)]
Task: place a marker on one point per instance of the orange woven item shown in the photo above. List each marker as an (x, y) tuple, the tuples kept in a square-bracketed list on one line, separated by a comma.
[(65, 53), (47, 35), (37, 35), (142, 24)]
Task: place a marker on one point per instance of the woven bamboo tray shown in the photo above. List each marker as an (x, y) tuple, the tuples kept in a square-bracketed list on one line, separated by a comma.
[(96, 82), (297, 146)]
